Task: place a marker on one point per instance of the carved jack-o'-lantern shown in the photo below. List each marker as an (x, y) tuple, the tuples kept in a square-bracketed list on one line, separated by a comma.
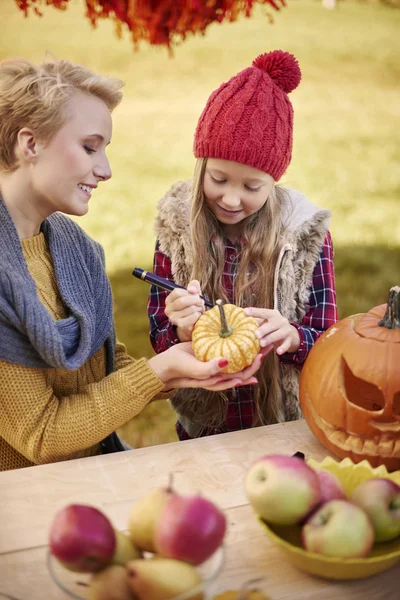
[(350, 386)]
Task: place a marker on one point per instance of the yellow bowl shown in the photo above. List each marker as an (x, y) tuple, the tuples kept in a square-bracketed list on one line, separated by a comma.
[(288, 538)]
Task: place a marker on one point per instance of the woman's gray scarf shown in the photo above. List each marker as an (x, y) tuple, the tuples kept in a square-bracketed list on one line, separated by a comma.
[(29, 335)]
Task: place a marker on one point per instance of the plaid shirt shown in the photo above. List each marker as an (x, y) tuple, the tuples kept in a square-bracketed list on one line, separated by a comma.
[(321, 315)]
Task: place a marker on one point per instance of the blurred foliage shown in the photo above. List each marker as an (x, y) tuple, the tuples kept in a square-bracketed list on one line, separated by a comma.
[(346, 153), (159, 22)]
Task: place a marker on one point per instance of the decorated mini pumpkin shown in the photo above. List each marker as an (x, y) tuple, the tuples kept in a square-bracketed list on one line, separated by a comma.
[(350, 386), (226, 331)]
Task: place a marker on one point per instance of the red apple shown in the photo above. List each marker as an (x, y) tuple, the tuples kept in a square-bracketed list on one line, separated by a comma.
[(82, 538), (331, 488), (282, 489), (190, 529), (339, 528), (380, 499)]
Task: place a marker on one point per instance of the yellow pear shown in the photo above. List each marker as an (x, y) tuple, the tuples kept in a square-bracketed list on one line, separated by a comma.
[(161, 578), (144, 516), (125, 550), (110, 584)]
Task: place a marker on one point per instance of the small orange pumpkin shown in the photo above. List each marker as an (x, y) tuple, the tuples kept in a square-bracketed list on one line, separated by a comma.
[(350, 386), (226, 331)]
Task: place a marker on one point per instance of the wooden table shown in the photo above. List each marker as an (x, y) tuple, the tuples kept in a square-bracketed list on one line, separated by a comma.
[(215, 466)]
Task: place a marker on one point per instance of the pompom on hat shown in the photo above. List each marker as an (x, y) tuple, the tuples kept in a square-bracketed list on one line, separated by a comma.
[(249, 119)]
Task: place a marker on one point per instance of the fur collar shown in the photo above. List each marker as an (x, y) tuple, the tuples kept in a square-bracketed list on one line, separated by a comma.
[(300, 215)]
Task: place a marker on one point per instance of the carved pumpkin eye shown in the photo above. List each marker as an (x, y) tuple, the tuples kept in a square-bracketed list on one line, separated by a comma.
[(362, 393), (396, 404)]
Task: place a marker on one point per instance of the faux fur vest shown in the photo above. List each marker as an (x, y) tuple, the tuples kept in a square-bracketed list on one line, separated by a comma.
[(306, 227)]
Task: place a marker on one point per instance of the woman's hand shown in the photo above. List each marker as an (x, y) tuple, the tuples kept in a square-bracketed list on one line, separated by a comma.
[(177, 367), (275, 329), (183, 308)]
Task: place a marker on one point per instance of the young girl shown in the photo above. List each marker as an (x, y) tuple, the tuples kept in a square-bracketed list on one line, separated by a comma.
[(233, 233), (65, 383)]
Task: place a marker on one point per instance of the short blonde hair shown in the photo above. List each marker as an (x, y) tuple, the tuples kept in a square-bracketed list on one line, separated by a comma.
[(34, 96)]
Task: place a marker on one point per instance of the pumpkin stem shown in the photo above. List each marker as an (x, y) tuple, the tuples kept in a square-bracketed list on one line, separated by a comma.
[(226, 330), (391, 320)]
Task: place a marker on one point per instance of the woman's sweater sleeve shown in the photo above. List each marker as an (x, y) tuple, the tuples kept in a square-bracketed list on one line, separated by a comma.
[(122, 359), (45, 428)]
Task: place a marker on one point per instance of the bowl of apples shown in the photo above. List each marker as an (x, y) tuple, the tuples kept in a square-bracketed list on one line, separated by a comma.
[(337, 520), (171, 550)]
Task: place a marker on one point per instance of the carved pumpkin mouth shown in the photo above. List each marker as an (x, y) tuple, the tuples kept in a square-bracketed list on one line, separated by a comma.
[(383, 445), (394, 426)]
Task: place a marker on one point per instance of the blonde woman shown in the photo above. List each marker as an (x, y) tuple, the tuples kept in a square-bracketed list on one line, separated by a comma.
[(234, 233), (65, 382)]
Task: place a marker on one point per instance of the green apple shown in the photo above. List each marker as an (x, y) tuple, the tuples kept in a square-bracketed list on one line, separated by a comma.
[(282, 489), (380, 499), (339, 528)]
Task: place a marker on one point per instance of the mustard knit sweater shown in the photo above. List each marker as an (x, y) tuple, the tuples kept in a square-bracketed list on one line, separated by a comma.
[(48, 415)]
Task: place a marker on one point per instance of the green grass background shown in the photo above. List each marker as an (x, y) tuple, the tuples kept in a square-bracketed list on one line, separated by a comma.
[(346, 154)]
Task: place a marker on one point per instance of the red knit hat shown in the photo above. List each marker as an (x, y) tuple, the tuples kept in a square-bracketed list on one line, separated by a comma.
[(249, 119)]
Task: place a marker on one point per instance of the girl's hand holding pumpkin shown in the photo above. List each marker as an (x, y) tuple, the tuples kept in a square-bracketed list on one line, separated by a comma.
[(177, 367), (183, 308), (275, 329)]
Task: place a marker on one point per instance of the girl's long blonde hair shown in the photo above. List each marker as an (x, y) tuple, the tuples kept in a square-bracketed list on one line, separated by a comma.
[(254, 282)]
